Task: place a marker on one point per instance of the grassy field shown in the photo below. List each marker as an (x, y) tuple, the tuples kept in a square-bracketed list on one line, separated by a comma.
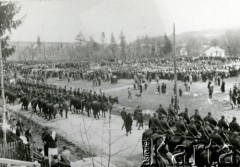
[(196, 98)]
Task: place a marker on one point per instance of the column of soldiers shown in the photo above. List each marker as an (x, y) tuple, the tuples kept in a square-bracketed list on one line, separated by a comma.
[(54, 93), (196, 126)]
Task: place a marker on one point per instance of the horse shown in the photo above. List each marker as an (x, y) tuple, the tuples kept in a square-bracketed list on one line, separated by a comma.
[(113, 100), (34, 103), (25, 102), (75, 102), (11, 97), (50, 110), (60, 106), (96, 107)]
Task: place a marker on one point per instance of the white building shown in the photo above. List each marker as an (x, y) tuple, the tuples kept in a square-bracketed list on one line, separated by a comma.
[(215, 52), (183, 52)]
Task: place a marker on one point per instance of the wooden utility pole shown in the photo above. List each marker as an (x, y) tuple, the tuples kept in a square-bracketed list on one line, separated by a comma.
[(4, 125), (44, 52), (175, 68)]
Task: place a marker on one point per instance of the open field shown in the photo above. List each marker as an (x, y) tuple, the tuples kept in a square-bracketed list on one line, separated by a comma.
[(196, 98), (93, 135)]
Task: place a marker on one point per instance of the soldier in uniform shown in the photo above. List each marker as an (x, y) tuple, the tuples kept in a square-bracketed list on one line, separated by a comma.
[(75, 92), (163, 125), (104, 98), (78, 92), (65, 90), (180, 126), (70, 91), (161, 110), (152, 120), (185, 115), (95, 96), (222, 124), (216, 138), (193, 129), (198, 119), (234, 126), (211, 120)]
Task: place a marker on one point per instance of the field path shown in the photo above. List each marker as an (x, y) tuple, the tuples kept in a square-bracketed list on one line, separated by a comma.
[(93, 135)]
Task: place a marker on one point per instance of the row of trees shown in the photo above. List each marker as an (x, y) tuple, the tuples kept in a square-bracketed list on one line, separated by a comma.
[(89, 48), (142, 47)]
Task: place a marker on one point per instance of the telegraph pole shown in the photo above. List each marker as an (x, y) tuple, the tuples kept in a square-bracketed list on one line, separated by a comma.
[(4, 125), (175, 68)]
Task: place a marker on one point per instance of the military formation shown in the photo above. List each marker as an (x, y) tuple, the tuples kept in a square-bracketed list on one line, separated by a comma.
[(50, 98), (175, 138)]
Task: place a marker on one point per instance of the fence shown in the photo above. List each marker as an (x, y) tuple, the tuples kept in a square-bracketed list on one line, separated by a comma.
[(10, 162), (10, 151)]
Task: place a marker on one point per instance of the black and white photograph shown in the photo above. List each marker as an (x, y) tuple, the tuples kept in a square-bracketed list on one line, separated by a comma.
[(119, 83)]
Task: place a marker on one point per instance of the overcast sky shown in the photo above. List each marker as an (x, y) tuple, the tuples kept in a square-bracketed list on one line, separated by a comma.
[(60, 21)]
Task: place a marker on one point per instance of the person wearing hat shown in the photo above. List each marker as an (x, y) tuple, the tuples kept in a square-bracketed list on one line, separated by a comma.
[(128, 123), (198, 119), (234, 126), (136, 112), (45, 136), (185, 115), (161, 110), (222, 124), (65, 157), (163, 124), (180, 126), (212, 122), (123, 115), (216, 138), (193, 129), (152, 120), (129, 94)]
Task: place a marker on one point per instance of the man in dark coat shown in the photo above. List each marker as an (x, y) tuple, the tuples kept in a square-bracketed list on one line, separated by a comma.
[(222, 124), (128, 124), (140, 120), (45, 136), (185, 115), (161, 110), (104, 98), (216, 138), (20, 125), (180, 126), (140, 88), (123, 115), (136, 112), (152, 120), (234, 126), (193, 129), (163, 125), (28, 135), (212, 122), (223, 86), (180, 92), (158, 89), (198, 119)]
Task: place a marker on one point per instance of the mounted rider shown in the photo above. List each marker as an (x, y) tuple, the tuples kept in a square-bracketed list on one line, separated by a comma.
[(193, 129), (104, 98), (222, 124), (212, 122), (198, 119), (163, 125), (180, 126), (185, 115), (95, 96), (234, 126), (161, 110)]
